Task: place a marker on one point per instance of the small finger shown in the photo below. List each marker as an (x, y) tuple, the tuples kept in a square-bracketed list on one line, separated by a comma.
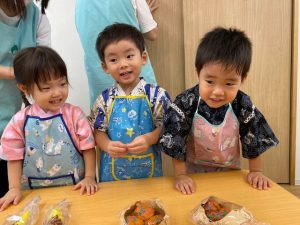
[(260, 183), (187, 187), (17, 200), (5, 205), (88, 190)]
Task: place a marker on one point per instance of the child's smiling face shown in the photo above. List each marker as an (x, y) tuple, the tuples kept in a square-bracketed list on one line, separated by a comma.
[(123, 60), (218, 85), (51, 95)]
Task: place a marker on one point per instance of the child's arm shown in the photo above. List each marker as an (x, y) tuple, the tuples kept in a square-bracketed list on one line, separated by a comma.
[(184, 184), (113, 148), (255, 177), (141, 143), (14, 194), (88, 184)]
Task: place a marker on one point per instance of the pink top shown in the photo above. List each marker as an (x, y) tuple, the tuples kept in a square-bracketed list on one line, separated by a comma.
[(13, 138)]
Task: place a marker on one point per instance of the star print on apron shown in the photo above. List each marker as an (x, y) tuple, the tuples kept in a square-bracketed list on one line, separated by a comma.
[(130, 116), (213, 147), (51, 158)]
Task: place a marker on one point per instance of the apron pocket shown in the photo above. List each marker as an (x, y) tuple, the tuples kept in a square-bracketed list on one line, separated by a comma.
[(133, 167), (41, 182)]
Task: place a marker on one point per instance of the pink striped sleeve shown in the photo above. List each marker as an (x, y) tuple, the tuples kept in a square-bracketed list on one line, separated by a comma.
[(82, 129), (13, 141)]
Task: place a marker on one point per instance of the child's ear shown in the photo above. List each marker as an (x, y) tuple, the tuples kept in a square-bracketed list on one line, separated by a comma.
[(144, 57), (104, 67), (22, 88)]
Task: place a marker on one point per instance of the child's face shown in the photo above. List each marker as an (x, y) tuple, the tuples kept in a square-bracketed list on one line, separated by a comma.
[(218, 86), (51, 95), (124, 61)]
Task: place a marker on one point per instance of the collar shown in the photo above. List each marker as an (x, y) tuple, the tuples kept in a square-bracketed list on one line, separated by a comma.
[(137, 90)]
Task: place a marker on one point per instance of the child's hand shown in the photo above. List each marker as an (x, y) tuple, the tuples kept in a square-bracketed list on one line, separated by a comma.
[(258, 180), (185, 184), (14, 196), (116, 149), (138, 145), (88, 184)]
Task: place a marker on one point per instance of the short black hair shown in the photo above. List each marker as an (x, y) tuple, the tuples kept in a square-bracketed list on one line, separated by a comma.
[(117, 32), (38, 64), (230, 47)]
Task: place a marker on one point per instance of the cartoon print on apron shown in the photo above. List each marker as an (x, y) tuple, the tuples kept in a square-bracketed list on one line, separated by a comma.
[(51, 158), (130, 117), (213, 147)]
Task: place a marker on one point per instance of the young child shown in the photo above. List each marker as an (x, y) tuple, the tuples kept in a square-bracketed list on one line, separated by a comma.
[(204, 124), (49, 143), (127, 117), (21, 25), (93, 16)]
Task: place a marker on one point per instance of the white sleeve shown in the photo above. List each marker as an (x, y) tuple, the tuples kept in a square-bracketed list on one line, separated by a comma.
[(144, 16), (43, 36)]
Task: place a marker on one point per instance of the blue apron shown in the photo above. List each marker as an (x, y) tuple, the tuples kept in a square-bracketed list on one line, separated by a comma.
[(130, 117), (91, 17), (51, 158), (12, 39)]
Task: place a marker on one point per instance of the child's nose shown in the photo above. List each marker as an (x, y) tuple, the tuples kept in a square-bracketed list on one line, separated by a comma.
[(55, 92), (123, 63), (218, 91)]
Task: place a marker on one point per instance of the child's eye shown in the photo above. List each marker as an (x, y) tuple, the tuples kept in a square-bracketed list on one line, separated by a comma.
[(230, 84), (130, 56), (209, 81), (63, 84), (45, 88), (113, 60)]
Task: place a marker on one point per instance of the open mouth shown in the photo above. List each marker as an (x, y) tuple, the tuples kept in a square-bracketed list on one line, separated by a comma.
[(55, 102), (125, 73)]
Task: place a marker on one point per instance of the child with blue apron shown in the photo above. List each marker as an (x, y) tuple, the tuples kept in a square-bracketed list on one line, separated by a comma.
[(51, 157), (130, 116)]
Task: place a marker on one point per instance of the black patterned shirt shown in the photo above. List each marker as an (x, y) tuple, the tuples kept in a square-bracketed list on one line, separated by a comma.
[(256, 136)]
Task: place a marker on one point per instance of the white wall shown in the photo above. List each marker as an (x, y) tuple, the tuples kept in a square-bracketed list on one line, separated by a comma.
[(65, 41)]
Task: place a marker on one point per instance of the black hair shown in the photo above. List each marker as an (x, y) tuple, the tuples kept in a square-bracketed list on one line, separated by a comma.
[(116, 33), (230, 47), (18, 7), (38, 64), (44, 5)]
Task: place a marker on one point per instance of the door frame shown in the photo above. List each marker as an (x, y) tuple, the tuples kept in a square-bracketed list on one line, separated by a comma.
[(294, 80)]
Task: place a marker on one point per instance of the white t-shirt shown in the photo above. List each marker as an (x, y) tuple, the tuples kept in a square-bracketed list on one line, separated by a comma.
[(43, 36), (143, 15)]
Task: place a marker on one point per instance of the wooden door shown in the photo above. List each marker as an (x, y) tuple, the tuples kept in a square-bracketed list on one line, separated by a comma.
[(268, 24), (167, 54)]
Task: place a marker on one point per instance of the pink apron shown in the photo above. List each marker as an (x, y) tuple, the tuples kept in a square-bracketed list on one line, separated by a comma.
[(213, 147)]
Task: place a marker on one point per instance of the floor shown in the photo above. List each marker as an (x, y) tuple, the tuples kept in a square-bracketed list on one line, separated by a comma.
[(295, 190)]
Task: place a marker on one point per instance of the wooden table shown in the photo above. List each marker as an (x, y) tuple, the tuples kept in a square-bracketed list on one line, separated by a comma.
[(275, 206)]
